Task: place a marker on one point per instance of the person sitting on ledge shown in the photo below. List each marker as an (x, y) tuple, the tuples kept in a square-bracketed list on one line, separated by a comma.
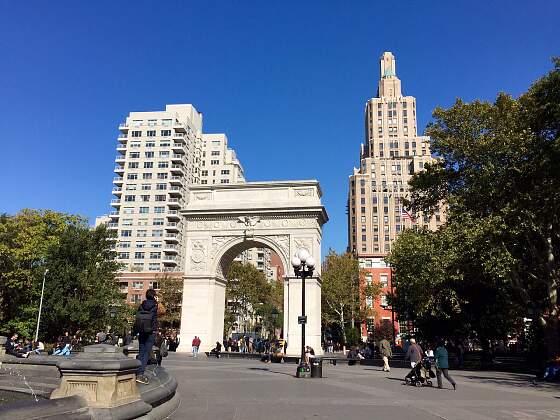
[(217, 350), (13, 348)]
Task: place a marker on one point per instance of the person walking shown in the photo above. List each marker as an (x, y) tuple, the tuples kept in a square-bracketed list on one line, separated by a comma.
[(414, 353), (386, 353), (195, 346), (442, 365), (146, 326)]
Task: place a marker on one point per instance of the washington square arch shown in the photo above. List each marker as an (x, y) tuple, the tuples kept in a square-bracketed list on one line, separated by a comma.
[(224, 220)]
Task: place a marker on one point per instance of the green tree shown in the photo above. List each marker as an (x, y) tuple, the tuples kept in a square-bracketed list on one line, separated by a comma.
[(499, 167), (25, 241), (170, 297), (343, 292), (80, 289), (246, 289)]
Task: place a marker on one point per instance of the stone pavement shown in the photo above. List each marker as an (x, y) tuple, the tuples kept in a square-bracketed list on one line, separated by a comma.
[(248, 389)]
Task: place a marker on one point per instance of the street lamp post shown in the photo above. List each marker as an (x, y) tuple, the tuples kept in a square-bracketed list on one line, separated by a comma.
[(41, 305), (303, 264)]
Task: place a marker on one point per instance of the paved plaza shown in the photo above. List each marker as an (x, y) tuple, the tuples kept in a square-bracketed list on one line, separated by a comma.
[(248, 389)]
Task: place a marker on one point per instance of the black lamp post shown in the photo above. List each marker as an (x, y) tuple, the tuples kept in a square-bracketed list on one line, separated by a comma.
[(303, 264)]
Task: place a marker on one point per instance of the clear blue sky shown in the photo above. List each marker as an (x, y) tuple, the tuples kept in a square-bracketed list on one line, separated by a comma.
[(286, 81)]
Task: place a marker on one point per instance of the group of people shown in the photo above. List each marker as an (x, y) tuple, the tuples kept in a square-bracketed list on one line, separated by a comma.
[(23, 347)]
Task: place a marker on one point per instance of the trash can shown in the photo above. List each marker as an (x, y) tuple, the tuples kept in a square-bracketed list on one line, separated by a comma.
[(316, 367)]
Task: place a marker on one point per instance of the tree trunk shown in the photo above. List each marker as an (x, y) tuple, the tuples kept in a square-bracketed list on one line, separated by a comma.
[(343, 330), (552, 338)]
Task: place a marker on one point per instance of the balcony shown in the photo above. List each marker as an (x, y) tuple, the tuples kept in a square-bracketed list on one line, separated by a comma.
[(118, 180), (175, 190), (112, 225), (168, 259), (172, 226), (176, 180), (119, 169), (179, 127), (117, 190), (173, 214), (121, 147), (177, 158), (119, 158), (114, 213), (178, 148), (171, 237), (171, 248), (123, 127)]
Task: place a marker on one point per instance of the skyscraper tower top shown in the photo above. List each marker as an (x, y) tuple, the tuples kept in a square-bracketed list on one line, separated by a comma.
[(389, 83)]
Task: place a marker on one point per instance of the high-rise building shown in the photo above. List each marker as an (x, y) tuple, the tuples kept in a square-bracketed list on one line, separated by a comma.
[(390, 155), (219, 163), (159, 154)]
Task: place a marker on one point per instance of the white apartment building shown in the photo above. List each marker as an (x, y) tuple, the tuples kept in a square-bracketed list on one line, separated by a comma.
[(219, 163), (159, 154)]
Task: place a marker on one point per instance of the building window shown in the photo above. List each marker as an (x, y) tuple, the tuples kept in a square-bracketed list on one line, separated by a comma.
[(145, 198), (159, 209), (157, 233), (162, 165), (132, 165), (150, 144), (124, 255), (136, 134), (149, 155), (139, 255), (214, 162), (132, 177), (160, 197), (224, 181), (129, 198), (147, 176), (384, 301), (126, 233), (141, 233), (158, 222), (136, 298), (155, 255), (165, 133), (146, 187), (151, 133), (148, 165), (383, 280), (140, 244)]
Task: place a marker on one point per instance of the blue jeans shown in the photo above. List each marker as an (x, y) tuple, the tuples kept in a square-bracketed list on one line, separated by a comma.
[(145, 347)]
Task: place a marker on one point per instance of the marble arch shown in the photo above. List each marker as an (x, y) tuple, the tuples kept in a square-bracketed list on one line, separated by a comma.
[(224, 220)]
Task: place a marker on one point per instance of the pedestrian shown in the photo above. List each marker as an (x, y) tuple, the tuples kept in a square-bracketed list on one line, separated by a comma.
[(195, 346), (386, 353), (414, 353), (217, 350), (442, 365), (146, 327)]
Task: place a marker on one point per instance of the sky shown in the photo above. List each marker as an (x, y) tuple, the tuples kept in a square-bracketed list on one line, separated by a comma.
[(286, 81)]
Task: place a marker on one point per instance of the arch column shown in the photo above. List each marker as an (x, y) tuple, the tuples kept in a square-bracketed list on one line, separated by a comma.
[(292, 310), (202, 312)]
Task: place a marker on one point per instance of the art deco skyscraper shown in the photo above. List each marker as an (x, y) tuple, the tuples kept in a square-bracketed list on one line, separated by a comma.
[(391, 153)]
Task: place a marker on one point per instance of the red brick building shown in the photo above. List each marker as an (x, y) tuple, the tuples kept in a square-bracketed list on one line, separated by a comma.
[(377, 271)]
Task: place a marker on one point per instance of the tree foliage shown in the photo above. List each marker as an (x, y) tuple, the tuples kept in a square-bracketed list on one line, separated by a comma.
[(80, 287), (170, 298), (250, 295), (343, 292), (498, 173)]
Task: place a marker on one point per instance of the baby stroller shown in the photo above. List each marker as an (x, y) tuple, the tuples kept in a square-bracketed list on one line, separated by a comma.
[(420, 374)]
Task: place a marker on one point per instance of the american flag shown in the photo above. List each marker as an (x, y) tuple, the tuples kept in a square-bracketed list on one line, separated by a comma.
[(407, 216)]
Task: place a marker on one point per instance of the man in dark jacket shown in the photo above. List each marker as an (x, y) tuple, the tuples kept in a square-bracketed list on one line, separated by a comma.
[(414, 353), (386, 353), (146, 340)]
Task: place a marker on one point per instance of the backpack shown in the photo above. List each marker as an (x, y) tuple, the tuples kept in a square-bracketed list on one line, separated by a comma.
[(143, 321)]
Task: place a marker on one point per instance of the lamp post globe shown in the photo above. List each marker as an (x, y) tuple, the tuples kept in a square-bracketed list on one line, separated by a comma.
[(303, 254), (296, 262)]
